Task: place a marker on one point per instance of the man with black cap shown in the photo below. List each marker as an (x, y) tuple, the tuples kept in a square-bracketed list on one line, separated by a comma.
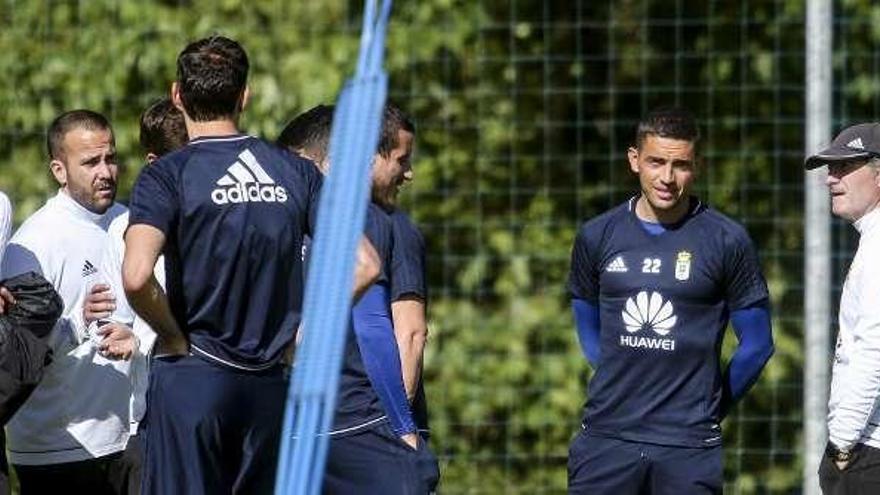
[(852, 463)]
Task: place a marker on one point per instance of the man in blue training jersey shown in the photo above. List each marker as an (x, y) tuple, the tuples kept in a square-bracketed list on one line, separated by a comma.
[(229, 212), (653, 283), (409, 293), (374, 447)]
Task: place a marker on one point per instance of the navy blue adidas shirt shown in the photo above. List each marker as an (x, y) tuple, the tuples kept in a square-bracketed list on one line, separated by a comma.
[(358, 405), (234, 211), (664, 302), (408, 280)]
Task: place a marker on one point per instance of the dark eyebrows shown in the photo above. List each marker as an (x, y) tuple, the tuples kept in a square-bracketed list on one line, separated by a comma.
[(675, 162), (92, 159), (109, 156)]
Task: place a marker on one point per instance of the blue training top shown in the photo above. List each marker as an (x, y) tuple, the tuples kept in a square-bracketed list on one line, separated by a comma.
[(357, 404), (664, 302), (234, 210), (408, 279), (368, 344)]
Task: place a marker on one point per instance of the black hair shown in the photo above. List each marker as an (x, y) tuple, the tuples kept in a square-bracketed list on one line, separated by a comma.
[(163, 129), (68, 121), (393, 120), (211, 77), (309, 133), (668, 122)]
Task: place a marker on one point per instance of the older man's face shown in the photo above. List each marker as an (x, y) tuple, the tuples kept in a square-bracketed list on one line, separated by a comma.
[(854, 187)]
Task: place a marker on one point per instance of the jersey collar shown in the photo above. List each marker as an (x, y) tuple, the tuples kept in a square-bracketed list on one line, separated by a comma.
[(77, 210), (695, 206), (216, 139)]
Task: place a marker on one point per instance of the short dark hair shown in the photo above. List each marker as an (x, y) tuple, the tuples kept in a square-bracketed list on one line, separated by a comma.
[(668, 122), (394, 119), (211, 76), (309, 133), (68, 121), (163, 129)]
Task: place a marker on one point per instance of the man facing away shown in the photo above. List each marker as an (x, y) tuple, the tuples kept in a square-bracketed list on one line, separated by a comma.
[(70, 433), (374, 444), (652, 284), (851, 465), (162, 130), (229, 212)]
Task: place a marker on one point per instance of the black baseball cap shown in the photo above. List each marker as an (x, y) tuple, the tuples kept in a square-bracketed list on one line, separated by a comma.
[(857, 142)]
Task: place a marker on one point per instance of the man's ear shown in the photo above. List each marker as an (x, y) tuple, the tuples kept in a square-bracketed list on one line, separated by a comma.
[(245, 98), (59, 171), (151, 157), (175, 96), (632, 154)]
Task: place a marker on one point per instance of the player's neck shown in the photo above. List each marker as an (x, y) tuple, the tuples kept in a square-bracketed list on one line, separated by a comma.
[(647, 213), (210, 128)]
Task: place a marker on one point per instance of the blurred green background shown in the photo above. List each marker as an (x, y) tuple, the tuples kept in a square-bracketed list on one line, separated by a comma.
[(524, 112)]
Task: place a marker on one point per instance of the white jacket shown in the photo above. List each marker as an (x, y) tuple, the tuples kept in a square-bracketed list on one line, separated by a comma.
[(855, 384), (80, 409)]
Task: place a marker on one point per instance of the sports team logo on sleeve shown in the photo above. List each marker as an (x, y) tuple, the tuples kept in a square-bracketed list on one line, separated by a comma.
[(247, 181), (683, 265), (648, 312)]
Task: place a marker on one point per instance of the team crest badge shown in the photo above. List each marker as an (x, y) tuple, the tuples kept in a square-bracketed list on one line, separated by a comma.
[(683, 265)]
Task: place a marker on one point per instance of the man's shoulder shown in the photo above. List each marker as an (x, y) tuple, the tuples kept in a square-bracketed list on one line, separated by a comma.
[(173, 159), (291, 161), (717, 223), (599, 224), (407, 236), (46, 217), (35, 241), (378, 228), (379, 214), (403, 223)]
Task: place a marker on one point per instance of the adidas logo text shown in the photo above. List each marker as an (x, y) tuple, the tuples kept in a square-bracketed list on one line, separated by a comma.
[(246, 181), (617, 265), (240, 193)]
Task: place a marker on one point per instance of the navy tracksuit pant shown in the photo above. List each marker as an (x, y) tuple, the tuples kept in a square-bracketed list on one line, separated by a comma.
[(600, 465), (376, 461), (211, 429)]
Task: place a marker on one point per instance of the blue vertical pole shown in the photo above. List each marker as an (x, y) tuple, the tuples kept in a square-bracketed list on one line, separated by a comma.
[(311, 401)]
